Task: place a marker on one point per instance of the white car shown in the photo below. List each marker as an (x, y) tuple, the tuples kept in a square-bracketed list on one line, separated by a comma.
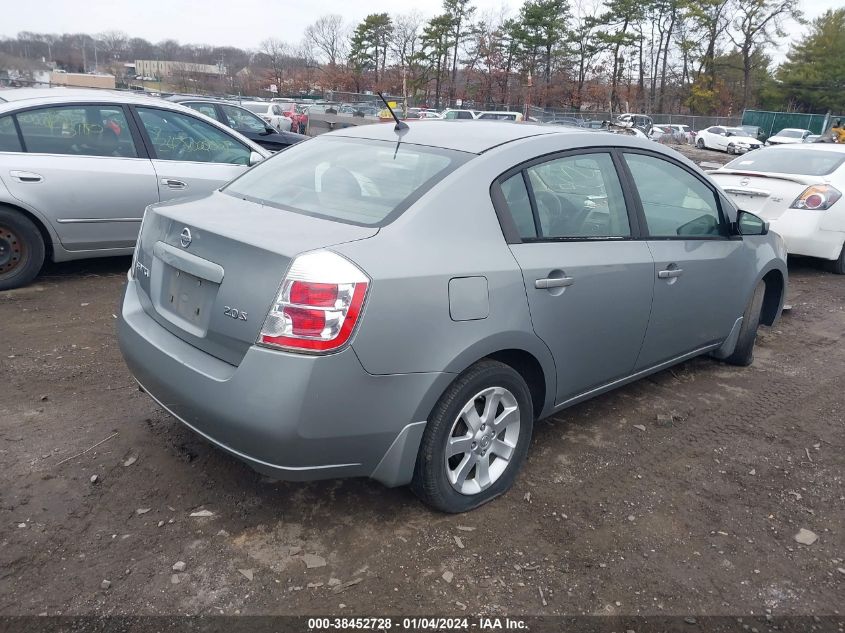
[(789, 136), (459, 114), (732, 140), (797, 189), (501, 115), (273, 113), (678, 131)]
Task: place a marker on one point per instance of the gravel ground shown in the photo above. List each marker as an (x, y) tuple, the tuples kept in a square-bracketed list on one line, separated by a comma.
[(682, 493)]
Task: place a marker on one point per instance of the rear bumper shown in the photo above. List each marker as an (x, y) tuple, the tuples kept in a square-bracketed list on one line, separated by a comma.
[(291, 416), (801, 231)]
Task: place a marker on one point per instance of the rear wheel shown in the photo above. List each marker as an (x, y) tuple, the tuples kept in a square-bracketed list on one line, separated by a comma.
[(700, 143), (743, 354), (476, 439), (21, 250), (837, 266)]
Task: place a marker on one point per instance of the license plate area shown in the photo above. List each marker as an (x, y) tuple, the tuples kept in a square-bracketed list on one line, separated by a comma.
[(182, 298)]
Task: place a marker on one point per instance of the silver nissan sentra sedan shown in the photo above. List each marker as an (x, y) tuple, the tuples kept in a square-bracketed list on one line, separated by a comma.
[(403, 304)]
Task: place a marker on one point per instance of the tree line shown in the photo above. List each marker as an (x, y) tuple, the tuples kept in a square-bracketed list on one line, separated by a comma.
[(696, 56)]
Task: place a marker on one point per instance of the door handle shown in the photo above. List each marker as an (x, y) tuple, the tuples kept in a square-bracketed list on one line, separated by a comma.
[(173, 183), (553, 282), (25, 176), (669, 273)]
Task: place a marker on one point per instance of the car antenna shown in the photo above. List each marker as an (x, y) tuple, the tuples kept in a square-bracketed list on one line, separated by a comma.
[(400, 125)]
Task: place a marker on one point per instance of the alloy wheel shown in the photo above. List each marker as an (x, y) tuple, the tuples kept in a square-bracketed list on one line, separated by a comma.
[(482, 440)]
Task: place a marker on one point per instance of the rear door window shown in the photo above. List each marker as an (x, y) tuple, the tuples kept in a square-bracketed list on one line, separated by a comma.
[(78, 130), (353, 180), (9, 141)]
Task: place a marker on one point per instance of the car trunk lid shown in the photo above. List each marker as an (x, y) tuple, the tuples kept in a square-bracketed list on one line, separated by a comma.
[(208, 269), (766, 195)]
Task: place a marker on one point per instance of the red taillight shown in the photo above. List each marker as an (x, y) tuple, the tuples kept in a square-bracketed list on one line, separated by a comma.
[(817, 198), (318, 304), (312, 294)]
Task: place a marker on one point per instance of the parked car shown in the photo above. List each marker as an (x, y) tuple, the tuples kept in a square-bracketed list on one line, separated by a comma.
[(594, 125), (501, 115), (658, 132), (641, 121), (680, 132), (788, 136), (393, 310), (78, 167), (797, 189), (459, 114), (272, 113), (812, 138), (567, 121), (726, 139), (244, 121)]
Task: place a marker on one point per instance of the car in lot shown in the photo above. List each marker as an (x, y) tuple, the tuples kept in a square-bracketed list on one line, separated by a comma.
[(450, 114), (78, 167), (272, 113), (798, 190), (500, 115), (789, 136), (244, 121), (642, 122), (567, 121), (732, 140), (405, 306), (681, 133)]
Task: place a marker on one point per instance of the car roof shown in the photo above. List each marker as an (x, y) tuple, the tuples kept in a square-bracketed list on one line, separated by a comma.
[(473, 136), (793, 129), (58, 96), (794, 147)]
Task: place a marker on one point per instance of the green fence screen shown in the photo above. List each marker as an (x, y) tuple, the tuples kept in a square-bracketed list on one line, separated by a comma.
[(770, 123)]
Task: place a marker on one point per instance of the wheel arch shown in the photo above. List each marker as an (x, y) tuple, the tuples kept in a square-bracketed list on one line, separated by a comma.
[(774, 296)]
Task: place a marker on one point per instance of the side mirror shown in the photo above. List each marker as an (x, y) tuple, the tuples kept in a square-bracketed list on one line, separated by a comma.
[(750, 224), (268, 130), (255, 158)]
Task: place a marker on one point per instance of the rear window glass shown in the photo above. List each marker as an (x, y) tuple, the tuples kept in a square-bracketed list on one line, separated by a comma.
[(791, 133), (803, 162), (352, 180)]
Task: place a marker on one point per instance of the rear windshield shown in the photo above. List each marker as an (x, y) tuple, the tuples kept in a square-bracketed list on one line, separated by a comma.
[(358, 181), (258, 108), (791, 133), (803, 162)]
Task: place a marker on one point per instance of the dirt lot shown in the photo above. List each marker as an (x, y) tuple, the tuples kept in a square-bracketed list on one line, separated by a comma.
[(616, 512)]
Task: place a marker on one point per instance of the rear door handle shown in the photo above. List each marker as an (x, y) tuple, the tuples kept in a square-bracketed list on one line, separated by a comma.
[(553, 282), (25, 176), (669, 273), (173, 183)]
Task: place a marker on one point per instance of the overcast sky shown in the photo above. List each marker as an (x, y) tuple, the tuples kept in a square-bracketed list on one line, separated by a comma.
[(242, 23)]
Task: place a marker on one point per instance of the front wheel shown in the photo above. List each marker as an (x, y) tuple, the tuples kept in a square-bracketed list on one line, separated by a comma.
[(476, 439), (700, 143), (731, 149)]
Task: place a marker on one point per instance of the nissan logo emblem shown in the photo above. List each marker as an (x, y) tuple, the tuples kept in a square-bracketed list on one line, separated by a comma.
[(185, 237), (743, 182)]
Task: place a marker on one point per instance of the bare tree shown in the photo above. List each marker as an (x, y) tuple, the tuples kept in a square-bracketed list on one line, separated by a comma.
[(114, 43), (330, 36), (277, 55), (755, 24)]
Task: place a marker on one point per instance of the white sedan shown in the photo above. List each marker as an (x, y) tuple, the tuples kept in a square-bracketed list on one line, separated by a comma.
[(789, 136), (732, 140), (797, 189)]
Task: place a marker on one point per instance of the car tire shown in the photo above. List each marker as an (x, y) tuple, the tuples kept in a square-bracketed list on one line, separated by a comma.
[(731, 149), (22, 249), (700, 144), (837, 266), (458, 483), (743, 354)]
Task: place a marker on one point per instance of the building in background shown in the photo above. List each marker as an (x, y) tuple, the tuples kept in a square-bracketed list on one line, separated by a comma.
[(164, 69), (80, 80)]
